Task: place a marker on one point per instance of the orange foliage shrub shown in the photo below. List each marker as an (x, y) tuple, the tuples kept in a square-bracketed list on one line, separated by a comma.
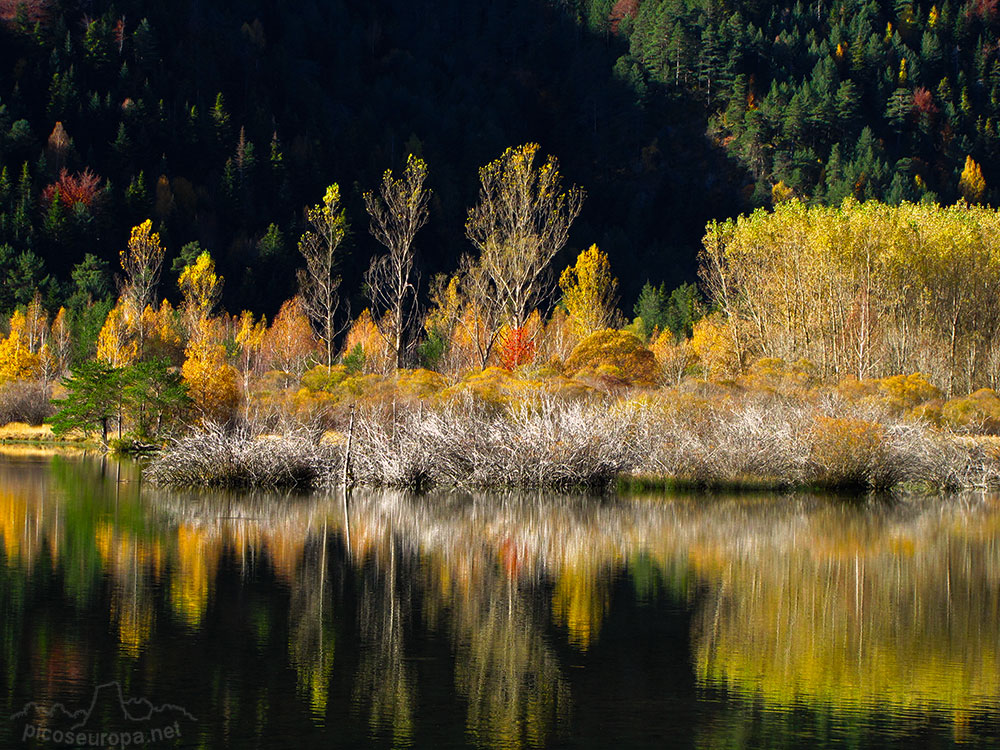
[(379, 357), (614, 353), (849, 452), (515, 348), (976, 413)]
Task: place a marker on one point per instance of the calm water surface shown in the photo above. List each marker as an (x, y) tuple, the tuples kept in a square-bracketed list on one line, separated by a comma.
[(487, 621)]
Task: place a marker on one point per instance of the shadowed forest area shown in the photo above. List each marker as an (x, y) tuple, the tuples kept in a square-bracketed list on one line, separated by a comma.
[(221, 121)]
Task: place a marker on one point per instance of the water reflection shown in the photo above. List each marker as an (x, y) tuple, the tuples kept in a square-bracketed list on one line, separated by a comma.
[(502, 621)]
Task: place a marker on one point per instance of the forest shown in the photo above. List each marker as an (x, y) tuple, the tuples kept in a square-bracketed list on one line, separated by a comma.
[(684, 201)]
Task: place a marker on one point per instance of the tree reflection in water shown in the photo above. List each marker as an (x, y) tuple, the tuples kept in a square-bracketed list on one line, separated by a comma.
[(852, 609)]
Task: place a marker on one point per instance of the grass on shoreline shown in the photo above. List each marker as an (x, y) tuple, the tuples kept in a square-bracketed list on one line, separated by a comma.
[(21, 432)]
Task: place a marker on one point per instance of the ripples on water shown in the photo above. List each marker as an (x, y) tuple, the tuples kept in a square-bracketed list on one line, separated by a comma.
[(500, 621)]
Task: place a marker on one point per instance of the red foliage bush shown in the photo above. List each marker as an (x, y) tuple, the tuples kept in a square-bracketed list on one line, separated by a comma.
[(83, 187)]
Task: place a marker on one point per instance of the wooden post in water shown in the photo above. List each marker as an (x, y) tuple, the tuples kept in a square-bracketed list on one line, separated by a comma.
[(347, 453)]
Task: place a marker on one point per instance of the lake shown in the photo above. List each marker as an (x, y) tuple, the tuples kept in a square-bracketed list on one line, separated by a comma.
[(130, 615)]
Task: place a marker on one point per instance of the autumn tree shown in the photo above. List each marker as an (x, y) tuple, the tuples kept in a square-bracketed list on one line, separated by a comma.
[(201, 288), (971, 184), (249, 338), (115, 343), (318, 285), (590, 292), (210, 380), (289, 341), (521, 221), (17, 360), (142, 261), (396, 214)]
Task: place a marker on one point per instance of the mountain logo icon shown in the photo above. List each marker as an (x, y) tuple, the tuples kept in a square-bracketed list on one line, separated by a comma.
[(109, 719)]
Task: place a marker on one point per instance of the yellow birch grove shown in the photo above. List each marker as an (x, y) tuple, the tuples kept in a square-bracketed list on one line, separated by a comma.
[(864, 289)]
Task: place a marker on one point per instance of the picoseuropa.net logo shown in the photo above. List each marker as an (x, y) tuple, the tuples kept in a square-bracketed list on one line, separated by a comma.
[(110, 721)]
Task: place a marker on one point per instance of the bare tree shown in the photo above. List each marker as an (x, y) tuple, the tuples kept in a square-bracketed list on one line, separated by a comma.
[(521, 221), (318, 285), (397, 214)]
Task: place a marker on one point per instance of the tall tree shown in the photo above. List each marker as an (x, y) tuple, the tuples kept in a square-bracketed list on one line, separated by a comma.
[(397, 214), (318, 285), (521, 221), (142, 261)]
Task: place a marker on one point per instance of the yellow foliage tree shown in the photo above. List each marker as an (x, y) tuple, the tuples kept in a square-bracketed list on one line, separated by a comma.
[(250, 335), (210, 379), (200, 286), (971, 184), (712, 341), (165, 333), (17, 361), (115, 343), (590, 292), (141, 261)]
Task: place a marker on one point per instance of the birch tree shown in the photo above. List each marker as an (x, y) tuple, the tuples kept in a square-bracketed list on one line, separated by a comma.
[(318, 286), (521, 221), (397, 213)]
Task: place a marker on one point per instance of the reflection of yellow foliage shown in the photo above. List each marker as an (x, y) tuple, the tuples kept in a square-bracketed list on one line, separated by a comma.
[(579, 604), (189, 585), (13, 523)]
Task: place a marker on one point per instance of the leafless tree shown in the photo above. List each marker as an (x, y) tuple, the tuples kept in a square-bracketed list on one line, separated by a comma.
[(397, 214), (318, 286), (521, 221)]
